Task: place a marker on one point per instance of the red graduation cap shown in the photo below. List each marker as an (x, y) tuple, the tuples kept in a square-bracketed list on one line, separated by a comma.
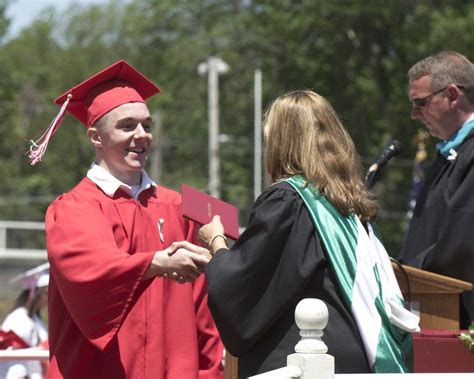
[(88, 101)]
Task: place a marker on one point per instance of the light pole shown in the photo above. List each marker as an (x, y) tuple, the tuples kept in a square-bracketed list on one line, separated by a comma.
[(157, 149), (213, 67), (257, 175)]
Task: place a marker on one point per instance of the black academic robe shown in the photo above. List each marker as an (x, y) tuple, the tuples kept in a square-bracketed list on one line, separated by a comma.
[(440, 238), (254, 288)]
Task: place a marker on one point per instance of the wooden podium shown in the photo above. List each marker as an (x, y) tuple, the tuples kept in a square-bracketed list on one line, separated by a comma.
[(231, 367), (436, 295)]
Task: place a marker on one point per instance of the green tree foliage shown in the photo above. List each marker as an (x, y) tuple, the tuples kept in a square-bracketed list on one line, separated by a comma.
[(355, 53)]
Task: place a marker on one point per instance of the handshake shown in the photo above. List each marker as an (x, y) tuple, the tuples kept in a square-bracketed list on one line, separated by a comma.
[(184, 261)]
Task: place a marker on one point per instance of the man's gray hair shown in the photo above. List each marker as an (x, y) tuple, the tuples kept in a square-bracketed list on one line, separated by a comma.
[(445, 68)]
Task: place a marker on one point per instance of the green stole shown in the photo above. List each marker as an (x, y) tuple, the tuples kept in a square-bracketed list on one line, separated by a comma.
[(360, 264)]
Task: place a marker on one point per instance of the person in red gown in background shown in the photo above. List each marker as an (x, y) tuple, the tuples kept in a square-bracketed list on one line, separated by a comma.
[(126, 296), (27, 323)]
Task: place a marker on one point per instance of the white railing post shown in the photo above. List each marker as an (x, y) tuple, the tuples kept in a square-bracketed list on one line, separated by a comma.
[(311, 316), (310, 360), (3, 237)]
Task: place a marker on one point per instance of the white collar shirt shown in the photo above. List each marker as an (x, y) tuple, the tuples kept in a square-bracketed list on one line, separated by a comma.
[(109, 184)]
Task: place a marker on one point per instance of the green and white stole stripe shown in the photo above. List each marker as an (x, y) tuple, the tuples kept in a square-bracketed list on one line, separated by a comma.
[(366, 280)]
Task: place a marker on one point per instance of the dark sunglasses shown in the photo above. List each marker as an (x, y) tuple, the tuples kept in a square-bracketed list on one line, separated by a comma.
[(421, 102)]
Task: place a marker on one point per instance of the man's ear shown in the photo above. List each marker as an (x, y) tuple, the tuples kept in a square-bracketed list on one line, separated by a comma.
[(453, 92), (94, 136)]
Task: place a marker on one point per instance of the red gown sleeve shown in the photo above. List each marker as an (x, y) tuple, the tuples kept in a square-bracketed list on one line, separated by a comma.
[(86, 264)]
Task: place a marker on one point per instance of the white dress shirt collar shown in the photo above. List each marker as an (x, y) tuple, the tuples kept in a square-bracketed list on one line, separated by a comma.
[(110, 184)]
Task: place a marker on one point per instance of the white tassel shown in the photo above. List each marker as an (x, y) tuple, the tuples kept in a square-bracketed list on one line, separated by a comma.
[(38, 147)]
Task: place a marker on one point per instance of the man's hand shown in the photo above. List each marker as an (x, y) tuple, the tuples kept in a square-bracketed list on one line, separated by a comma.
[(182, 261)]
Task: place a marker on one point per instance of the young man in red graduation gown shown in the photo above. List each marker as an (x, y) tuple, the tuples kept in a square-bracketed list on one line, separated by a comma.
[(126, 298)]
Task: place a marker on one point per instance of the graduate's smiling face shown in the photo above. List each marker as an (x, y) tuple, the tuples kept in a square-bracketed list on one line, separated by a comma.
[(122, 140)]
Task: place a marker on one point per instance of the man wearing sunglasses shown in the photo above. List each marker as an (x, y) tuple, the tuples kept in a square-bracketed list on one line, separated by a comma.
[(440, 238)]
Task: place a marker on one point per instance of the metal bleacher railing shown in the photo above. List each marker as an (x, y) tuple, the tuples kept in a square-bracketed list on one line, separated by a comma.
[(7, 252)]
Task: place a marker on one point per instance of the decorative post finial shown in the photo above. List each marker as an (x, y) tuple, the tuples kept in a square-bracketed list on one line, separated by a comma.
[(310, 360), (311, 316)]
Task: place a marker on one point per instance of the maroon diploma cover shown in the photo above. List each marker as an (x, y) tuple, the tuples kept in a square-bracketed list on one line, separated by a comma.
[(201, 207)]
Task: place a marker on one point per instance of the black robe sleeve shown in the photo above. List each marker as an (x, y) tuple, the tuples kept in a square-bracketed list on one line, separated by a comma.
[(262, 272), (255, 286)]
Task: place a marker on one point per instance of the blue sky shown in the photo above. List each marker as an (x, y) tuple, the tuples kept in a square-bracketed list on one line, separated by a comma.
[(23, 12)]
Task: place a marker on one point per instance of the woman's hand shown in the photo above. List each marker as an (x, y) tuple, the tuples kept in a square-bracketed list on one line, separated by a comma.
[(212, 235), (208, 231)]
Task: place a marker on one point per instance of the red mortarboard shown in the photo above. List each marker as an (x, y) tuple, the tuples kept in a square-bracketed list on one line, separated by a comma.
[(88, 101)]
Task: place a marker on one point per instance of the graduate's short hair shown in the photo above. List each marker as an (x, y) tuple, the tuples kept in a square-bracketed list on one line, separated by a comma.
[(304, 136), (445, 68)]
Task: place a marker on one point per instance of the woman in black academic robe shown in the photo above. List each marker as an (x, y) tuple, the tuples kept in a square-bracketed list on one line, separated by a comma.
[(279, 259)]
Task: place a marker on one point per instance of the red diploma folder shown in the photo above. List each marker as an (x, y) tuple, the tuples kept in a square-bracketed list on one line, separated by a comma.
[(201, 207)]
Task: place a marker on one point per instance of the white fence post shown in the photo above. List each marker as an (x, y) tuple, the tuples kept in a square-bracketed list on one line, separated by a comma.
[(3, 237), (311, 316), (310, 360)]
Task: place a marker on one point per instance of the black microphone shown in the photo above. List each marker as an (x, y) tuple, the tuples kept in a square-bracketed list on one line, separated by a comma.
[(374, 172)]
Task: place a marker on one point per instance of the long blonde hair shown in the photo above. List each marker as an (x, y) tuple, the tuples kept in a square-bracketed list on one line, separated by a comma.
[(304, 136)]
